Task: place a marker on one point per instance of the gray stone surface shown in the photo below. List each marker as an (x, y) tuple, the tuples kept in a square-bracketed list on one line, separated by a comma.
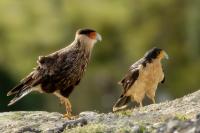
[(180, 115), (37, 121)]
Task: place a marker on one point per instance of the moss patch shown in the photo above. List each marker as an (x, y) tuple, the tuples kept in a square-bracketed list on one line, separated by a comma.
[(91, 128), (182, 117), (124, 113)]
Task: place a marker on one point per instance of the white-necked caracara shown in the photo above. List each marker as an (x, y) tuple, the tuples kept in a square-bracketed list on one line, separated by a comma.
[(142, 79), (61, 71)]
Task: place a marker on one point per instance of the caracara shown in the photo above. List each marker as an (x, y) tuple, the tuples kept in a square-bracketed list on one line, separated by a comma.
[(142, 79), (58, 73)]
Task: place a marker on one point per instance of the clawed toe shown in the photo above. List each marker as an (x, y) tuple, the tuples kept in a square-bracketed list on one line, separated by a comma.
[(70, 116)]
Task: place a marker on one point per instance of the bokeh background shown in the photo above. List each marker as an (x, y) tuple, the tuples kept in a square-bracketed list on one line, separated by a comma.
[(29, 28)]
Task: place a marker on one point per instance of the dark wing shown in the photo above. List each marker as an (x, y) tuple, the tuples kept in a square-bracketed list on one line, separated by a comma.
[(129, 79), (131, 76), (127, 82), (53, 65)]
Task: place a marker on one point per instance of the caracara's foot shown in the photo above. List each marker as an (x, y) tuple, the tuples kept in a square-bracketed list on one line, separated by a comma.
[(69, 116), (72, 117)]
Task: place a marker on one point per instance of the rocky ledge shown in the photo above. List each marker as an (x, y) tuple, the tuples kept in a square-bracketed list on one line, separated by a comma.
[(181, 115)]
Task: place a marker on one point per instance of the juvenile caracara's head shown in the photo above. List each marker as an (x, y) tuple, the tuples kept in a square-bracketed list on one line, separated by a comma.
[(156, 53), (88, 36)]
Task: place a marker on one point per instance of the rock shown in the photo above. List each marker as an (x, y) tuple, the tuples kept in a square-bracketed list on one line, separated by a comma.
[(181, 115), (37, 121)]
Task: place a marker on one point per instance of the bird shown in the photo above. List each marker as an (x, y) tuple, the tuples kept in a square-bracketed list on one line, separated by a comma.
[(142, 79), (59, 72)]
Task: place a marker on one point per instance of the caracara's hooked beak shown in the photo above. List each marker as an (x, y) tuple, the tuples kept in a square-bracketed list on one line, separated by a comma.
[(98, 37), (166, 56)]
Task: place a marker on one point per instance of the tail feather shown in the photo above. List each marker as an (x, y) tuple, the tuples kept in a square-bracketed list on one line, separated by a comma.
[(121, 103), (20, 95), (24, 88), (15, 90), (23, 84)]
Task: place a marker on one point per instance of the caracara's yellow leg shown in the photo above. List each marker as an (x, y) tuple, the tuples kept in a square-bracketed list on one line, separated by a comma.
[(68, 106), (151, 95), (153, 100)]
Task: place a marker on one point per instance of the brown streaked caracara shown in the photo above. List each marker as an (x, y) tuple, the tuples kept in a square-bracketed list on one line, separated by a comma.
[(142, 79), (61, 71)]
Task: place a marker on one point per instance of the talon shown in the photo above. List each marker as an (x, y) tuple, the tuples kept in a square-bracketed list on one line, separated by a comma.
[(69, 116)]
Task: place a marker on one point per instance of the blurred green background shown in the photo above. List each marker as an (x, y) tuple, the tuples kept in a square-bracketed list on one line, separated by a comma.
[(29, 28)]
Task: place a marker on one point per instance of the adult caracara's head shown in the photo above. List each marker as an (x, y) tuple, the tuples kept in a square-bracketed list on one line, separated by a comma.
[(156, 53), (88, 36)]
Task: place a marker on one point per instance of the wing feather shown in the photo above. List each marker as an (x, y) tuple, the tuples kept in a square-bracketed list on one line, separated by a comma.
[(129, 79), (132, 75)]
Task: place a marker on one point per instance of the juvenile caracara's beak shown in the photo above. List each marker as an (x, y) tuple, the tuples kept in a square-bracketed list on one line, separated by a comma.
[(164, 55)]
